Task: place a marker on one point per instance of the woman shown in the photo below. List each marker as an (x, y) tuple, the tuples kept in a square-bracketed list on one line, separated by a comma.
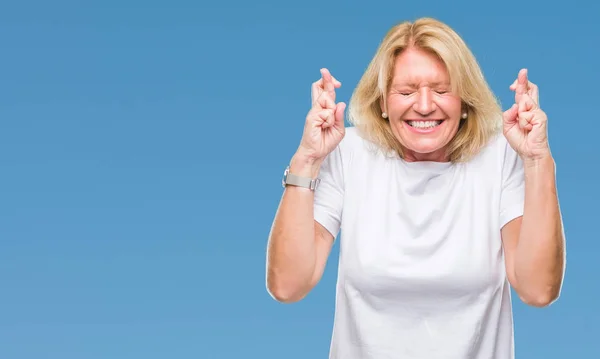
[(442, 200)]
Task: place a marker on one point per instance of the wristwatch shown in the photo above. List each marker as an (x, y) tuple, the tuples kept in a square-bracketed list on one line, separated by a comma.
[(292, 179)]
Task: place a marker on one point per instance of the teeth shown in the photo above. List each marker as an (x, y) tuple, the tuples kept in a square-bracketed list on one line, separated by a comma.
[(424, 124)]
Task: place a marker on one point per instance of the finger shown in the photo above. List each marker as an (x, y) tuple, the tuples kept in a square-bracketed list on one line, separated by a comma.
[(327, 81), (339, 115), (522, 83), (525, 119), (326, 100), (510, 115), (526, 103), (534, 93), (315, 92), (515, 83), (326, 117), (317, 88), (336, 83)]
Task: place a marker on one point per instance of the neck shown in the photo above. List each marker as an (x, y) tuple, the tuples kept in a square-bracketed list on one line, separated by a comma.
[(435, 156)]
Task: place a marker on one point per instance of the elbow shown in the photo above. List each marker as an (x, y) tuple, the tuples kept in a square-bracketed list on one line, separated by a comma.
[(542, 298), (285, 291), (284, 295), (538, 291), (538, 302)]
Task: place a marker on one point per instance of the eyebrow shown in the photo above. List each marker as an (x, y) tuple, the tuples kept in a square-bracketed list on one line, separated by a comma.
[(415, 85)]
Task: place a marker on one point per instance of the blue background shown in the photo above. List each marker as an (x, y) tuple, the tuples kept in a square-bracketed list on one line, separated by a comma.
[(142, 145)]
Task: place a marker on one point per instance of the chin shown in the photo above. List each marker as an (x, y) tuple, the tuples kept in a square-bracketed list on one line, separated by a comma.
[(426, 144), (425, 147)]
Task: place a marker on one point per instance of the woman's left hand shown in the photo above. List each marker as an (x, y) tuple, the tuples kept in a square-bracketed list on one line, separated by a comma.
[(525, 124)]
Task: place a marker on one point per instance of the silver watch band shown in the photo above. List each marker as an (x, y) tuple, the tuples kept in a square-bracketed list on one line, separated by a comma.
[(294, 180)]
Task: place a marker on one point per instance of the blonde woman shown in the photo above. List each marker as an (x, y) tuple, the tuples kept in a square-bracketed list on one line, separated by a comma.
[(442, 200)]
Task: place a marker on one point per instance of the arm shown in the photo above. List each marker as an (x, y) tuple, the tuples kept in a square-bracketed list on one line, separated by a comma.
[(534, 243), (298, 246)]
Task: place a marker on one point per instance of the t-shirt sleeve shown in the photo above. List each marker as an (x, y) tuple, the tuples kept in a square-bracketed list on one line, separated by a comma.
[(329, 195), (513, 186)]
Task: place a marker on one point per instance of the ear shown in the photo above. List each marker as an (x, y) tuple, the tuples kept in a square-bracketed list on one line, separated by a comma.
[(464, 111), (382, 107)]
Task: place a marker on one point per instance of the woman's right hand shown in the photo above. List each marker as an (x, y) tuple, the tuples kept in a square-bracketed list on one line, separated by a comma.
[(324, 128)]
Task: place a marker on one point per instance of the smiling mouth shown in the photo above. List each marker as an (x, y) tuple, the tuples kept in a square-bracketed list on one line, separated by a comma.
[(425, 124)]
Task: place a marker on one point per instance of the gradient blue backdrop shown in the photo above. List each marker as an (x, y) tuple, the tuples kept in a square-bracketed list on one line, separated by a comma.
[(142, 145)]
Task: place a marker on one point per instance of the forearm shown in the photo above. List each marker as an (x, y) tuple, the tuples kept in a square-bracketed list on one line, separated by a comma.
[(539, 259), (292, 249)]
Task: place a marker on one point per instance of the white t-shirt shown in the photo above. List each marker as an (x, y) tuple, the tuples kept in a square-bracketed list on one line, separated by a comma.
[(421, 268)]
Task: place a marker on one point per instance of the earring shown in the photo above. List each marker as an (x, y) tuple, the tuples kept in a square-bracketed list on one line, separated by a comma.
[(464, 115), (384, 115)]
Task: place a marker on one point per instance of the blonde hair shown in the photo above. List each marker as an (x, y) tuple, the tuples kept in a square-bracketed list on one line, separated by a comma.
[(467, 81)]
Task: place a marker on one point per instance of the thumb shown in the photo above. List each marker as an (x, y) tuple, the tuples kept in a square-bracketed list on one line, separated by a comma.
[(510, 116), (339, 114)]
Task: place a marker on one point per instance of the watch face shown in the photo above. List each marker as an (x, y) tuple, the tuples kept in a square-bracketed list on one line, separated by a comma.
[(287, 170)]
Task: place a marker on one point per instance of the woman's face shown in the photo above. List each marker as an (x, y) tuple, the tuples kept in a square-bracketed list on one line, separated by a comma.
[(424, 115)]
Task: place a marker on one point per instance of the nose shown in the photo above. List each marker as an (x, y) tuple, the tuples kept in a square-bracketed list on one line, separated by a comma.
[(424, 104)]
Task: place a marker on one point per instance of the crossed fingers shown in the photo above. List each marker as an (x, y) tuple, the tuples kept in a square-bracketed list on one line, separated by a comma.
[(522, 86)]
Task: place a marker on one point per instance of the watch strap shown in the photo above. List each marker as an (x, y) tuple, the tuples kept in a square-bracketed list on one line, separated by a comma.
[(299, 181)]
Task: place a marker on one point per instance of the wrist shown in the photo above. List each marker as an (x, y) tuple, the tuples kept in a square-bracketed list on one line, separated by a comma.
[(305, 165), (540, 166), (540, 161)]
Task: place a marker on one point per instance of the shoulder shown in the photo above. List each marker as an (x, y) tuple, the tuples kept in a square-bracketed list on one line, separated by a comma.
[(497, 159), (495, 151), (354, 143), (506, 155), (353, 153), (352, 139)]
